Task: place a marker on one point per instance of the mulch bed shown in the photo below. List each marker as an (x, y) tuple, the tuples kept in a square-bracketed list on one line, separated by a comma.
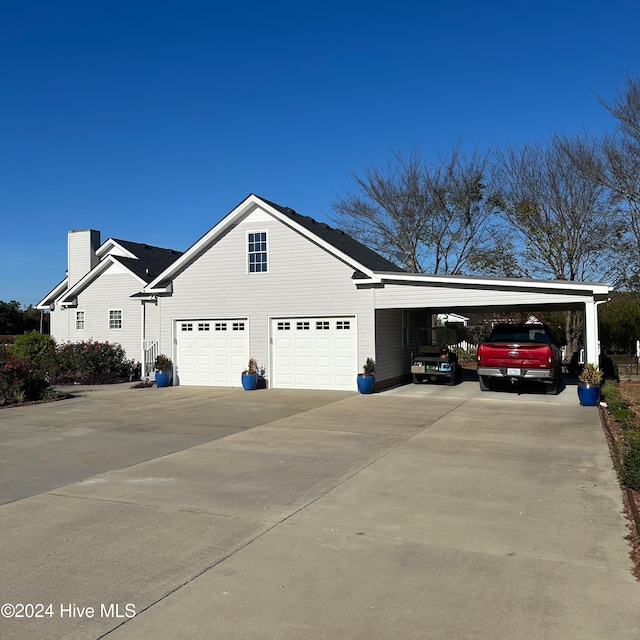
[(631, 498), (59, 396)]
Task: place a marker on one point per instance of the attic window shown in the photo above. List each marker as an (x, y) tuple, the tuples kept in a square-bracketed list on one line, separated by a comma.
[(257, 252)]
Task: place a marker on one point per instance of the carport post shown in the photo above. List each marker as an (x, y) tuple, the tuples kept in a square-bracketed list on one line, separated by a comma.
[(591, 332)]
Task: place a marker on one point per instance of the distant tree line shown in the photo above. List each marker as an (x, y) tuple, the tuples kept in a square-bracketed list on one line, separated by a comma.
[(564, 209), (14, 320)]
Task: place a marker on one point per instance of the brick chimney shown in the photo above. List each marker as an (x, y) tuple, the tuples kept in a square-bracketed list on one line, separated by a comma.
[(81, 252)]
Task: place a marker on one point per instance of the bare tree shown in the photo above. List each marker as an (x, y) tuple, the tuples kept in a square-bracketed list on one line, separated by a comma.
[(613, 161), (437, 215), (559, 218)]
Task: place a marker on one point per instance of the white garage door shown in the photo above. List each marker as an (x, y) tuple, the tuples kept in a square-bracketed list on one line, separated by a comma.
[(211, 352), (314, 353)]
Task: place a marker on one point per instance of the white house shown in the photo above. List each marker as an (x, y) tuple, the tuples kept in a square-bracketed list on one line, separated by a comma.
[(97, 298), (309, 302)]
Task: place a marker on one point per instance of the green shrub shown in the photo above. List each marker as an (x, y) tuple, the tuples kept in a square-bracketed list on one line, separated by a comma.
[(611, 391), (39, 350), (91, 362), (630, 465), (624, 416), (615, 404), (19, 380)]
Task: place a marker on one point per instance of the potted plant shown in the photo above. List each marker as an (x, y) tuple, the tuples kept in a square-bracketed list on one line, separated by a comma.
[(589, 382), (162, 366), (367, 379), (250, 376)]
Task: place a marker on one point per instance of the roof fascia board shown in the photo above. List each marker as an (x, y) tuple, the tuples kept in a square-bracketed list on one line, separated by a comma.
[(53, 295), (596, 288), (109, 244), (158, 290)]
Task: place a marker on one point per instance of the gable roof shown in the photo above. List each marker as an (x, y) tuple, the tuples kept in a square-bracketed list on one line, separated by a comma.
[(144, 261), (149, 261), (363, 260)]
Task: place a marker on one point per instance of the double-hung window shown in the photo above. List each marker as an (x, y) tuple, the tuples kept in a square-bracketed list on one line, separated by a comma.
[(79, 320), (115, 319), (257, 252)]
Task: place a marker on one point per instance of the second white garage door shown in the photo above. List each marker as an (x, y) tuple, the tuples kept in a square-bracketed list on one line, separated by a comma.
[(211, 352), (314, 353)]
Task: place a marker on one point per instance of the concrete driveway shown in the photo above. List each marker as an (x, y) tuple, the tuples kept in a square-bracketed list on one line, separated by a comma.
[(422, 512)]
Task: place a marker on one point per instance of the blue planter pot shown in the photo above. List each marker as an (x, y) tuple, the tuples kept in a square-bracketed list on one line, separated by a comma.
[(249, 381), (589, 394), (163, 378), (366, 383)]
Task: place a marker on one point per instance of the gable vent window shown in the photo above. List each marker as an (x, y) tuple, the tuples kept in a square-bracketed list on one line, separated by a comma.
[(343, 324), (221, 326), (302, 326), (203, 326), (322, 325), (257, 246), (186, 326), (284, 326), (115, 319), (238, 326), (79, 320)]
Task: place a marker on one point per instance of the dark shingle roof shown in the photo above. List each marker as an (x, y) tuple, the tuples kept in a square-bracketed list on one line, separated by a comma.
[(340, 240), (151, 262)]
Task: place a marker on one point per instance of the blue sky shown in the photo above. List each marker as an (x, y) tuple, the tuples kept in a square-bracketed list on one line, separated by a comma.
[(151, 120)]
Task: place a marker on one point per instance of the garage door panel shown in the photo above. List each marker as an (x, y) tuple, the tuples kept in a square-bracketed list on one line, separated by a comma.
[(303, 362), (239, 360), (210, 353), (314, 353)]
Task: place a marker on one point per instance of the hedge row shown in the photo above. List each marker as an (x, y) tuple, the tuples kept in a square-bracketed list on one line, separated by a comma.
[(629, 444), (34, 361)]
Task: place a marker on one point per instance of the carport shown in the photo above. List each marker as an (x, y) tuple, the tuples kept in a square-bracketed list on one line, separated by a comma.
[(466, 294)]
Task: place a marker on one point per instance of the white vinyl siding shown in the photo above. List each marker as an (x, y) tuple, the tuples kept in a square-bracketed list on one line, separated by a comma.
[(392, 357), (81, 248)]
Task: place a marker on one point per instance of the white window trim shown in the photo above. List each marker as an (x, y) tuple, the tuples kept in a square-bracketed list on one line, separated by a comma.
[(84, 320), (266, 232), (121, 320)]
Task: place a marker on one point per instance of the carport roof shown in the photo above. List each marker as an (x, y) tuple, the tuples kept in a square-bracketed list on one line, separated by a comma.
[(597, 288)]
